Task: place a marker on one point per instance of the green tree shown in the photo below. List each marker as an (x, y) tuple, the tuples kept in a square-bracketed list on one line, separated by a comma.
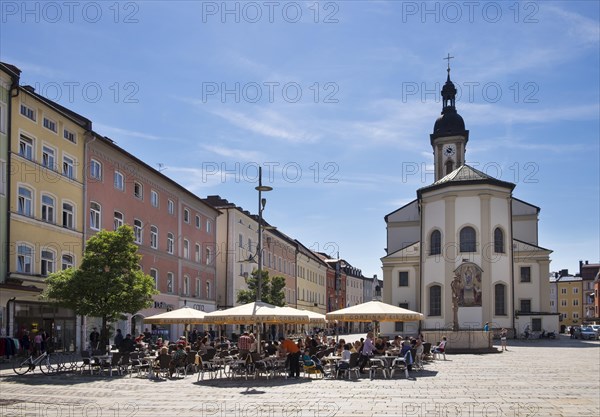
[(108, 283), (271, 289)]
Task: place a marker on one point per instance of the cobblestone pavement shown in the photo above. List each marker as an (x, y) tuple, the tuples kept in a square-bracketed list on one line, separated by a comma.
[(534, 378)]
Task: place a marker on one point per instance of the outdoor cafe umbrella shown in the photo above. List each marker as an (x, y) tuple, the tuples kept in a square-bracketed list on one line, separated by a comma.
[(184, 315), (374, 311), (315, 317), (257, 312)]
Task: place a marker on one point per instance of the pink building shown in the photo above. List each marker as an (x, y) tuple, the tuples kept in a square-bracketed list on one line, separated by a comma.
[(175, 230)]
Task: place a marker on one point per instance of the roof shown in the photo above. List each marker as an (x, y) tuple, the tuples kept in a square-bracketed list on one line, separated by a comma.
[(397, 210), (465, 175)]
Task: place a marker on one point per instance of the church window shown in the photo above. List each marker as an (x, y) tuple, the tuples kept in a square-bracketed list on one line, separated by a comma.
[(399, 325), (500, 300), (435, 244), (435, 300), (468, 240), (403, 279), (525, 274), (526, 306), (498, 240)]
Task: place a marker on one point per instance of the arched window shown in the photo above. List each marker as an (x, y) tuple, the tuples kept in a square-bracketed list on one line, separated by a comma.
[(95, 215), (435, 300), (449, 166), (48, 264), (67, 261), (47, 208), (24, 259), (154, 237), (137, 230), (498, 240), (435, 243), (500, 300), (468, 239)]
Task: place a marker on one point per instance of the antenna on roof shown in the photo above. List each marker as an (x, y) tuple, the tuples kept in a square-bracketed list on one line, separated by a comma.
[(161, 167)]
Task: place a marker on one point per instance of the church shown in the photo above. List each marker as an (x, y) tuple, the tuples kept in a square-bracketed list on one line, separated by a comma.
[(465, 252)]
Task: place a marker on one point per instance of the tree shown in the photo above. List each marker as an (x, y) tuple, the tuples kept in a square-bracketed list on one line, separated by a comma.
[(108, 283), (271, 289)]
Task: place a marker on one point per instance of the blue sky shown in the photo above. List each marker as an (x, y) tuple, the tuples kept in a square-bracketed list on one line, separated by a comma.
[(336, 99)]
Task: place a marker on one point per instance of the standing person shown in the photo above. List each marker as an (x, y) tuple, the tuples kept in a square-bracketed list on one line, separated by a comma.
[(127, 345), (94, 338), (25, 342), (293, 355), (37, 340), (503, 334), (526, 332), (244, 344), (486, 327), (366, 351), (147, 335), (118, 339), (571, 332)]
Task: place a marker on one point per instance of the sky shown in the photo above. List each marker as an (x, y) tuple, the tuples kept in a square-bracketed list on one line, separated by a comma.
[(335, 100)]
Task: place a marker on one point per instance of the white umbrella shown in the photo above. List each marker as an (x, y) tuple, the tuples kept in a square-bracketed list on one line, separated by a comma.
[(184, 315), (315, 317), (374, 311), (257, 313)]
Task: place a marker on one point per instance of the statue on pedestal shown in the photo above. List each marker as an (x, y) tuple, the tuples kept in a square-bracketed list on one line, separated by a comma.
[(456, 286)]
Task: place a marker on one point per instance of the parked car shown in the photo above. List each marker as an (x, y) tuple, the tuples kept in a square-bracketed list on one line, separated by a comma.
[(586, 332), (596, 328)]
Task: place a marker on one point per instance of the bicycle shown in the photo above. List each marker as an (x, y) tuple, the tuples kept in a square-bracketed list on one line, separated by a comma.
[(47, 363)]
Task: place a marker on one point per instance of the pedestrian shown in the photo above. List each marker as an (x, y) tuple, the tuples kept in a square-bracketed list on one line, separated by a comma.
[(94, 338), (293, 356), (118, 339), (572, 332), (503, 334), (526, 332), (366, 351), (127, 345), (486, 327)]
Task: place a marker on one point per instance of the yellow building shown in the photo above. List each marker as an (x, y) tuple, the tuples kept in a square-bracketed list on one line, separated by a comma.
[(311, 274), (569, 300), (46, 210)]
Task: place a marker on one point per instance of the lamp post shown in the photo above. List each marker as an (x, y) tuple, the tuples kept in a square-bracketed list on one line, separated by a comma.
[(261, 206)]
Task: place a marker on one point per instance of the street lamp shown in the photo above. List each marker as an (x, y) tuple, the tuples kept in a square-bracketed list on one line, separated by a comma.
[(261, 206)]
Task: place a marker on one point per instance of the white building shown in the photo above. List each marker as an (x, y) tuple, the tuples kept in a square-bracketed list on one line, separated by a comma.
[(467, 224)]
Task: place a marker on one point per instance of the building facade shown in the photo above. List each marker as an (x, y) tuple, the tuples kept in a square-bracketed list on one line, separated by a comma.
[(174, 230), (311, 274), (570, 307), (467, 228), (46, 211), (588, 273), (9, 79)]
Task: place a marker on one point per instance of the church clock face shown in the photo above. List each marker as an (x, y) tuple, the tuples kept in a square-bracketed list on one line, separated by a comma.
[(449, 150)]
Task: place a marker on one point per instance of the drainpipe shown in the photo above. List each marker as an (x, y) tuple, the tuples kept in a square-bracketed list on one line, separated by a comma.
[(512, 267), (9, 330), (14, 87)]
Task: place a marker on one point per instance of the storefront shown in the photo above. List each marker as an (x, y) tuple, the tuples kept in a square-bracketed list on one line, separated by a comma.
[(58, 322)]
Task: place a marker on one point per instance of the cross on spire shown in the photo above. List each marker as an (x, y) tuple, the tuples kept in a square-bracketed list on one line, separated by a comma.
[(448, 58)]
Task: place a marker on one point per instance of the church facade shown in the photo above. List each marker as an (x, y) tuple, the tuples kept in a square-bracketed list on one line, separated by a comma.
[(465, 251)]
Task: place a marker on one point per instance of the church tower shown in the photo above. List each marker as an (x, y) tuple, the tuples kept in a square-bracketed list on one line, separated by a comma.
[(449, 137)]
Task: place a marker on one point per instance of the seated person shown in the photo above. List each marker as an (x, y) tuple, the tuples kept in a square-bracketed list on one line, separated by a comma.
[(379, 346), (178, 359), (344, 363), (405, 348), (311, 361), (441, 346)]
